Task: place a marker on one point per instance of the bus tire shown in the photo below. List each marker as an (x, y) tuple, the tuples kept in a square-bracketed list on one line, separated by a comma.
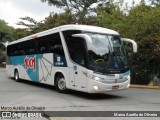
[(60, 84), (16, 76)]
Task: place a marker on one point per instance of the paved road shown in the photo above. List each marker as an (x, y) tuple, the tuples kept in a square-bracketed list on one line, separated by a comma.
[(28, 94)]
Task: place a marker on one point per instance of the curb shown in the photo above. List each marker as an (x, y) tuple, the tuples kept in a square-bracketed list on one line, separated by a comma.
[(144, 87)]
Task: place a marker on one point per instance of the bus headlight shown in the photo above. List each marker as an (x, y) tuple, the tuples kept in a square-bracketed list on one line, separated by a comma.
[(97, 78), (96, 87), (94, 77)]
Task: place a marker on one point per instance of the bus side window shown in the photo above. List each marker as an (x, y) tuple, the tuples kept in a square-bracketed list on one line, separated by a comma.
[(21, 50), (9, 50), (42, 45), (16, 50), (31, 49), (25, 48), (70, 48), (75, 47), (58, 49), (42, 49), (51, 45), (12, 51), (51, 48), (55, 44), (79, 51)]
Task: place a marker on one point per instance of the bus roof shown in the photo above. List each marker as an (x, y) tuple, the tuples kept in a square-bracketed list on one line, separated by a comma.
[(87, 28)]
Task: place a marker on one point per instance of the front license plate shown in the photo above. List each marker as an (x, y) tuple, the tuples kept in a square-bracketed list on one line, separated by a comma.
[(115, 87)]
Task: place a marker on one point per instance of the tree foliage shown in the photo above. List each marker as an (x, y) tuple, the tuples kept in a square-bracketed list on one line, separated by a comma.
[(6, 32), (146, 31), (55, 19), (31, 22), (80, 8), (155, 2)]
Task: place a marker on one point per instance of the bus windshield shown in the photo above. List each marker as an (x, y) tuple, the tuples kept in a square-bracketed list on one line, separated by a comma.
[(107, 53)]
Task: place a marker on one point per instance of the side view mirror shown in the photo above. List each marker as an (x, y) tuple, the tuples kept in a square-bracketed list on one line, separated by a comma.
[(134, 44), (86, 37)]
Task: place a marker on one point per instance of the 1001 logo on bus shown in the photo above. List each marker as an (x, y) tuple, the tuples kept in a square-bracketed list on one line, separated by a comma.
[(30, 62)]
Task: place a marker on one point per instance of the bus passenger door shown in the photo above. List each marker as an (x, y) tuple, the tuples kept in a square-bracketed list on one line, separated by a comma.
[(76, 48), (80, 77), (79, 64)]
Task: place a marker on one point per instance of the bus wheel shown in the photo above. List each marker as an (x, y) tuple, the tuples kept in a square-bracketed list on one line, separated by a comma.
[(16, 76), (61, 84)]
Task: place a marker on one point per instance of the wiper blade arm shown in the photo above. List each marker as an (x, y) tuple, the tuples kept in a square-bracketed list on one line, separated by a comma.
[(119, 59)]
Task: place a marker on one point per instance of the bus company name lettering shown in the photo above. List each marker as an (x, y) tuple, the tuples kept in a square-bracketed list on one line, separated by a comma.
[(30, 62)]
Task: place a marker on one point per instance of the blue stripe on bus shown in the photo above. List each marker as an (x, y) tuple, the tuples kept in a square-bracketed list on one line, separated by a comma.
[(20, 60), (127, 73), (59, 61)]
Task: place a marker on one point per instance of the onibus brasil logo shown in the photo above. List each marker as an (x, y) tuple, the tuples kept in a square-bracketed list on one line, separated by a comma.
[(30, 62)]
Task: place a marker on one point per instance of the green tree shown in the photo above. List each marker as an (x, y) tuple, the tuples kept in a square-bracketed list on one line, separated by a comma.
[(30, 26), (6, 32), (140, 23), (20, 33), (80, 8), (55, 20), (112, 16), (155, 2), (146, 30)]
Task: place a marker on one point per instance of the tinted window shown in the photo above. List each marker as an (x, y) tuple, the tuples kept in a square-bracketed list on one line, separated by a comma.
[(76, 47), (42, 45), (30, 47), (47, 44), (55, 45), (13, 50)]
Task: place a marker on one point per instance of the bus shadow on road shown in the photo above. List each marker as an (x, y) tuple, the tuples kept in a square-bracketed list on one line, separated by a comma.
[(36, 84), (73, 93), (94, 96)]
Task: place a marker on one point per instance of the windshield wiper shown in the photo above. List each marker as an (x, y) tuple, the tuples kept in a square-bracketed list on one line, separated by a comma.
[(119, 59), (112, 51)]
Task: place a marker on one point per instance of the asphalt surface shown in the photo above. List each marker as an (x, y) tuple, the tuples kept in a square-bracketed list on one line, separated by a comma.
[(28, 94)]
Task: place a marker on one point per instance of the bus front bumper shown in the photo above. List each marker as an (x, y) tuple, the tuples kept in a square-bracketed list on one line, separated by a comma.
[(99, 87)]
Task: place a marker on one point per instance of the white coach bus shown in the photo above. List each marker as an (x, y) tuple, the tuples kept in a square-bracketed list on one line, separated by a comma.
[(78, 57)]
